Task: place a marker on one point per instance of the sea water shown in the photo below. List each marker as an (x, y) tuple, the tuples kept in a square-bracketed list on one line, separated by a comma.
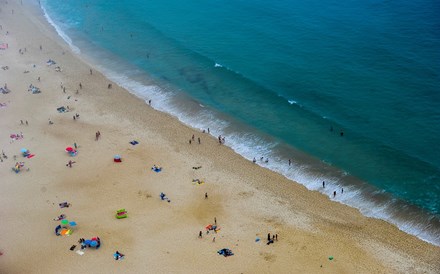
[(348, 90)]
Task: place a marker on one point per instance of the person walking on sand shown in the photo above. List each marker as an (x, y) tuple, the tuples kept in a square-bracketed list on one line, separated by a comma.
[(91, 72), (198, 139), (215, 220), (268, 236), (200, 234), (206, 195), (69, 164), (80, 86)]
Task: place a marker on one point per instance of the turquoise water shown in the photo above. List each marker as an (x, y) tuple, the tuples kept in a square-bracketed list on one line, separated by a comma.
[(281, 79)]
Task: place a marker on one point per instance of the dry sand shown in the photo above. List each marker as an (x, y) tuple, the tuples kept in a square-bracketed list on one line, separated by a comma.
[(248, 201)]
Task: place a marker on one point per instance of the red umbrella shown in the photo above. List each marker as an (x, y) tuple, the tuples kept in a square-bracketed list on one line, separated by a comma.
[(69, 149)]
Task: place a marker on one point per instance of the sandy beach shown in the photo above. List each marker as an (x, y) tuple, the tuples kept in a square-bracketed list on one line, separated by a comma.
[(246, 200)]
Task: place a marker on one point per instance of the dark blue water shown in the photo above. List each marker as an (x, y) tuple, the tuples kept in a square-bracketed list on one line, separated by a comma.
[(282, 79)]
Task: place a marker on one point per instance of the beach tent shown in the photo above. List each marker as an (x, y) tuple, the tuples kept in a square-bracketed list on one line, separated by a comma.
[(117, 159), (61, 109)]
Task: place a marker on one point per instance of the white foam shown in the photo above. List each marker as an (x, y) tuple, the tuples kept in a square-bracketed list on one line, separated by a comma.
[(61, 33), (251, 145), (217, 65)]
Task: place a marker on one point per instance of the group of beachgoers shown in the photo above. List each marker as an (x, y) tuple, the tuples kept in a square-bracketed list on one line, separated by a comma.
[(261, 160), (334, 192), (193, 139)]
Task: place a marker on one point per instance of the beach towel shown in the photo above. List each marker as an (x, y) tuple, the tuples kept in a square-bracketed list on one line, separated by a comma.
[(16, 136), (30, 156), (80, 252), (66, 232), (4, 46)]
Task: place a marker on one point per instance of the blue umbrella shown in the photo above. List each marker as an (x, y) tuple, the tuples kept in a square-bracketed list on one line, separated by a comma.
[(117, 156), (72, 223), (87, 242), (93, 243), (23, 150)]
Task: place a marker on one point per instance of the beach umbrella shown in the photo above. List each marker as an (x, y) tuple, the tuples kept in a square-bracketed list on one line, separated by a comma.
[(87, 242), (93, 243), (72, 223), (69, 149), (117, 157), (23, 150), (64, 222)]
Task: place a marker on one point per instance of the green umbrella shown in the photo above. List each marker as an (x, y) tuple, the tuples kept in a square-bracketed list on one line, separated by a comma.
[(64, 222)]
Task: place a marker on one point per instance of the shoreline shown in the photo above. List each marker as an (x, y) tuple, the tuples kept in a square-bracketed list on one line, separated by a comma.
[(307, 220), (371, 206)]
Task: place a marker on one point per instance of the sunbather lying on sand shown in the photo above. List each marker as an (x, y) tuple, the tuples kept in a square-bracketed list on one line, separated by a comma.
[(59, 218), (64, 204)]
